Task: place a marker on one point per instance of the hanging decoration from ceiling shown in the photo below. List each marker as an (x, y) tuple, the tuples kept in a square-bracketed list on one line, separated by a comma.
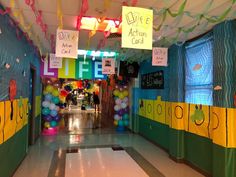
[(83, 10), (137, 28), (67, 43), (59, 15)]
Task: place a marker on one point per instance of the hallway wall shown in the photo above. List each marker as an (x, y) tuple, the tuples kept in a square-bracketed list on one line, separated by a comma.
[(16, 52), (211, 155)]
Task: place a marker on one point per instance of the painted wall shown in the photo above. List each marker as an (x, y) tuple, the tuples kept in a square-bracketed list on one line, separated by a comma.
[(208, 147), (19, 55)]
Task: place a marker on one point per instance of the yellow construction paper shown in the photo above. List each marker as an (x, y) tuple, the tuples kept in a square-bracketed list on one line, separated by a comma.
[(137, 28), (149, 109), (159, 111), (2, 121), (68, 68)]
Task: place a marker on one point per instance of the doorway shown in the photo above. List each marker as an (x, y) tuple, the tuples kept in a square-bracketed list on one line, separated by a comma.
[(31, 123)]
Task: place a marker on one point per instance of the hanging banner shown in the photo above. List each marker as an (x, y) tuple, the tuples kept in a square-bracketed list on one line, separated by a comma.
[(108, 66), (67, 43), (55, 62), (137, 28), (74, 69), (46, 71), (68, 68), (159, 56)]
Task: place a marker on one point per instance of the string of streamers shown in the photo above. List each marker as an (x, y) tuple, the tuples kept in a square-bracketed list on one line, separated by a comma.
[(20, 22), (59, 15), (83, 10), (38, 16)]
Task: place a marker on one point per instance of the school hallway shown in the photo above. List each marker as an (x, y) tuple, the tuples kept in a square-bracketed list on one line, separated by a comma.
[(90, 147)]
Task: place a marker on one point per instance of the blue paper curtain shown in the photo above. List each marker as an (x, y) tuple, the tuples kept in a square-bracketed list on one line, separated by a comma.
[(199, 71)]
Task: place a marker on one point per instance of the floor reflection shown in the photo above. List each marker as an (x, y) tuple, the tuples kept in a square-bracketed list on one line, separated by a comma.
[(79, 121)]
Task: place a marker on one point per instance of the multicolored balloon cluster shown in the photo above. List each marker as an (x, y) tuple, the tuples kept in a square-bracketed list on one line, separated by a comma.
[(50, 106), (121, 117)]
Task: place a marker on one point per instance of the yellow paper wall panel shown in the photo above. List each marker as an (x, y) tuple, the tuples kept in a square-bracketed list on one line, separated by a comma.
[(149, 108), (168, 113), (231, 115), (2, 121), (199, 122), (25, 111), (159, 111), (19, 116), (179, 118), (142, 108), (218, 120), (10, 119), (37, 105)]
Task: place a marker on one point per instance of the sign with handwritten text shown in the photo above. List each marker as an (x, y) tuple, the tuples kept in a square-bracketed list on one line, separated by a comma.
[(108, 66), (153, 80), (67, 43), (55, 62), (137, 28), (159, 56)]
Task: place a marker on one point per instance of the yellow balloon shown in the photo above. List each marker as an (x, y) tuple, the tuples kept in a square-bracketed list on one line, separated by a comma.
[(45, 92), (55, 92), (46, 124), (121, 96), (125, 93), (49, 88), (115, 122)]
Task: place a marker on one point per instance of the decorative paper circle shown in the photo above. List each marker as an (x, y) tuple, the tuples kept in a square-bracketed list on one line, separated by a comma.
[(12, 89), (7, 66), (17, 60)]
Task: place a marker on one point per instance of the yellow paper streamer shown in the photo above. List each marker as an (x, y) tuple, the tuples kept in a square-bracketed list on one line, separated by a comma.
[(59, 15)]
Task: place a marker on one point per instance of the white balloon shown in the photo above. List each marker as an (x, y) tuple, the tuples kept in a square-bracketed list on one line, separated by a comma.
[(45, 104), (52, 106), (117, 117), (116, 107), (123, 105)]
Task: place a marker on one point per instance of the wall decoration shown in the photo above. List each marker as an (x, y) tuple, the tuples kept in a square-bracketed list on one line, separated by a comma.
[(197, 67), (159, 56), (218, 87), (121, 117), (46, 71), (153, 80), (137, 28), (198, 115), (108, 66), (50, 109), (129, 69), (67, 43), (55, 62)]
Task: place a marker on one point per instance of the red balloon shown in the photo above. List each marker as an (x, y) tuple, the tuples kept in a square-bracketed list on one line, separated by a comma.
[(63, 93)]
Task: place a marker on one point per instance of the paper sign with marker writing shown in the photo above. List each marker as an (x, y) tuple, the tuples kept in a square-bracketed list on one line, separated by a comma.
[(108, 66), (137, 28), (67, 43), (55, 62), (159, 56)]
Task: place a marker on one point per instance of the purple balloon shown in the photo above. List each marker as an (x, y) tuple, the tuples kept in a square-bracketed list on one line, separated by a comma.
[(126, 110), (121, 112), (57, 118), (47, 118)]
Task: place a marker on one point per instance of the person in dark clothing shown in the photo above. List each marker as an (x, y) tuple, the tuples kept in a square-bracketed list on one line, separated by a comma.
[(96, 101)]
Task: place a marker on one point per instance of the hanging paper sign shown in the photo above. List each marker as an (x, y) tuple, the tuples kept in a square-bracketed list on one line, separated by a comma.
[(46, 71), (67, 43), (137, 28), (159, 56), (55, 62), (108, 66)]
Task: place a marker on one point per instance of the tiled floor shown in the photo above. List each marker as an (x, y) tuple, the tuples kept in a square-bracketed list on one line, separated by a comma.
[(41, 157)]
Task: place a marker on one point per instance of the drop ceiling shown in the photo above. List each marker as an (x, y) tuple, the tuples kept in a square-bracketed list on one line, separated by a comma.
[(169, 29)]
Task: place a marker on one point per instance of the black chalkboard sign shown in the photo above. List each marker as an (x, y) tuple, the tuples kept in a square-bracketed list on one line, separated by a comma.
[(153, 80)]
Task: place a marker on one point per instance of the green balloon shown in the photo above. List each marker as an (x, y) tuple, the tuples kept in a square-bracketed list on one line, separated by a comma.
[(55, 100), (45, 111), (120, 123)]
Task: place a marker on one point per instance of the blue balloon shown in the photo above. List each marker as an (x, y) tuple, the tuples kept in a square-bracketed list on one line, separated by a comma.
[(48, 97), (45, 111), (53, 113)]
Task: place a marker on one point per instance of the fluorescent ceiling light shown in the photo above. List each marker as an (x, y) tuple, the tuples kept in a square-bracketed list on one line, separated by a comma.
[(97, 53)]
